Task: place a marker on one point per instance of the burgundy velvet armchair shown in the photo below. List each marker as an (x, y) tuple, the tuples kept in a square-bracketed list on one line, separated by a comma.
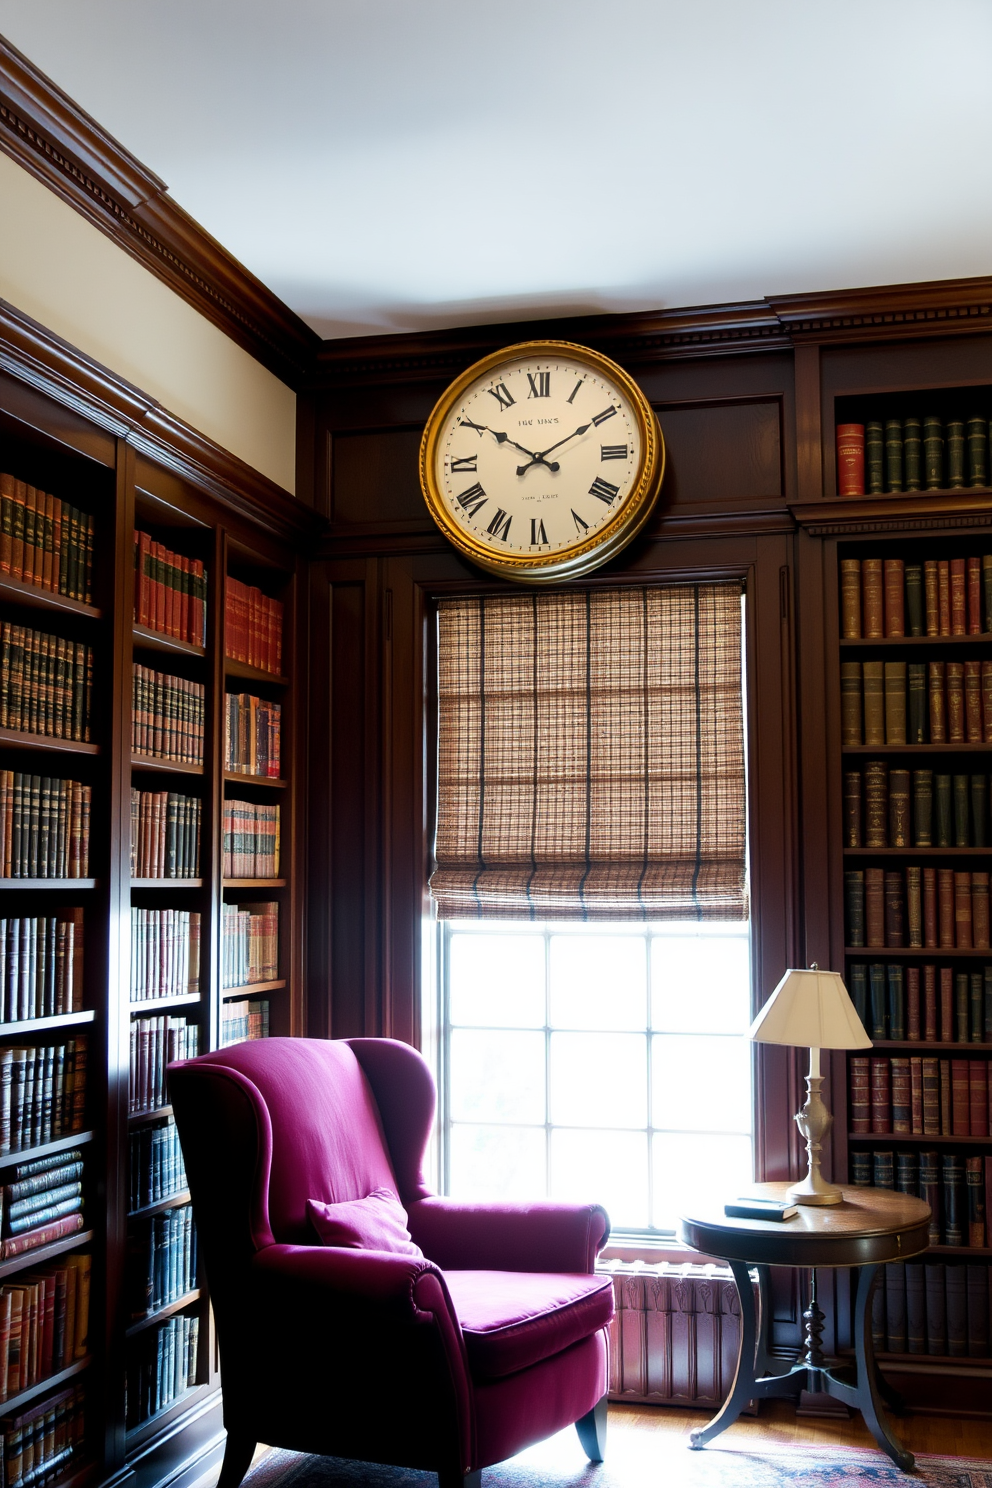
[(495, 1338)]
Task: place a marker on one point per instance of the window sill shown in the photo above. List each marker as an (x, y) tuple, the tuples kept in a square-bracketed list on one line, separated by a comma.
[(653, 1252)]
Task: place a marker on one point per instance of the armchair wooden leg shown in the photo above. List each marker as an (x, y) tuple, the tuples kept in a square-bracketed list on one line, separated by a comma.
[(459, 1480), (237, 1460), (592, 1431)]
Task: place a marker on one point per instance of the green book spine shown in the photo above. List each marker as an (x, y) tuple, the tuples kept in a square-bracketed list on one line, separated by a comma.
[(962, 790), (912, 454), (955, 452), (897, 1002), (979, 810), (878, 996), (943, 829), (978, 452), (857, 982), (919, 705), (860, 1165), (893, 453), (874, 456), (854, 903), (976, 1018), (933, 453), (962, 1000), (987, 588), (915, 625), (922, 808), (906, 1173)]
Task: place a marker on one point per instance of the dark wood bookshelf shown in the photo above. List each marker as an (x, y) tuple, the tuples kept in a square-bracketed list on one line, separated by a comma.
[(929, 1047), (916, 749), (156, 640), (138, 1437), (43, 1253), (961, 1252), (238, 778), (916, 1140), (164, 767), (984, 638), (16, 1403), (150, 1210), (247, 673), (254, 989), (167, 883), (138, 1118), (159, 1316), (159, 1004), (15, 592), (20, 739), (48, 883), (255, 883), (54, 1020), (921, 852), (46, 1149), (921, 953), (970, 1361)]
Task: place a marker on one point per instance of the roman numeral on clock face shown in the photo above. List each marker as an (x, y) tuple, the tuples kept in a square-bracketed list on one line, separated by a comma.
[(503, 396), (540, 384), (472, 499), (607, 413), (500, 525), (538, 536), (480, 429), (466, 463), (607, 452), (580, 526), (603, 489), (575, 389)]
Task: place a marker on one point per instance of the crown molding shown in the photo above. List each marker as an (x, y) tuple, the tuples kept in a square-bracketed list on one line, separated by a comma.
[(53, 138), (43, 361), (895, 511), (888, 312)]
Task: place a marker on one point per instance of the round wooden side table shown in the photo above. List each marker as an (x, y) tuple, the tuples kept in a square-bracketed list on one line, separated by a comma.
[(872, 1226)]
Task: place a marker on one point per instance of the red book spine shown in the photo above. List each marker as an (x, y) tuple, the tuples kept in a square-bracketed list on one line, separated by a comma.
[(944, 595), (974, 596), (902, 1101), (980, 910), (872, 595), (973, 702), (978, 1097), (988, 1202), (931, 1098), (859, 1088), (945, 1098), (946, 1005), (962, 911), (913, 1002), (894, 587), (851, 459), (930, 1004), (930, 907), (145, 549), (954, 671), (57, 1230), (987, 701), (881, 1096), (945, 905), (874, 907), (959, 605), (960, 1099), (916, 1095)]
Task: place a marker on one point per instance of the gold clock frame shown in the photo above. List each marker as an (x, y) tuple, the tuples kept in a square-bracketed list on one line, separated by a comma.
[(593, 551)]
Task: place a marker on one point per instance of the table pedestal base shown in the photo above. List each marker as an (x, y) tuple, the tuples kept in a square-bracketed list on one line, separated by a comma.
[(859, 1384)]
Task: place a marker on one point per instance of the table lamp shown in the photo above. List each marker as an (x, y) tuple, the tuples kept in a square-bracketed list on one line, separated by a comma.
[(811, 1009)]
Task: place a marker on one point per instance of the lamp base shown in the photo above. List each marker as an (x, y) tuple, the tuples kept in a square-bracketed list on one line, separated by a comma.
[(814, 1190), (813, 1122)]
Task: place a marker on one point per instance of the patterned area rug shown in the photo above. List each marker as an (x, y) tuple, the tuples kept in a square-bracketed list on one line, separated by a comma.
[(560, 1463)]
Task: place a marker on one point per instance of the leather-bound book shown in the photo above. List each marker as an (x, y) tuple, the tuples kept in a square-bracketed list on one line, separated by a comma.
[(930, 1025), (907, 1180), (974, 1183), (977, 1291), (933, 452), (852, 808), (975, 1007), (854, 905), (917, 704), (916, 1111), (938, 710), (899, 834), (987, 590), (876, 803), (857, 985), (960, 1099), (962, 911), (944, 595), (931, 1103), (987, 702), (916, 1309), (883, 1169), (962, 1007), (959, 599), (955, 1288), (859, 1093), (879, 1001), (929, 1191), (987, 1005), (974, 586), (893, 454), (851, 459), (930, 917), (961, 804), (897, 1002), (895, 701), (943, 811), (954, 674), (902, 1105), (978, 1098), (980, 910), (874, 907), (893, 584), (914, 905), (945, 1098), (955, 453), (915, 622), (931, 596), (933, 1272), (946, 1008), (850, 598), (895, 1308), (988, 1201), (945, 906), (859, 1167), (872, 599), (973, 702), (978, 452), (850, 702), (922, 808), (952, 1175), (881, 1096), (874, 456), (979, 810), (913, 1003), (912, 453)]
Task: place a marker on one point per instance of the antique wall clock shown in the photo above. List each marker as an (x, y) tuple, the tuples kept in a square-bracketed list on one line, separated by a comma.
[(542, 461)]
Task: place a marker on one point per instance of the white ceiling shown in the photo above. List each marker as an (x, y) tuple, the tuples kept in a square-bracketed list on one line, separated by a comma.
[(409, 164)]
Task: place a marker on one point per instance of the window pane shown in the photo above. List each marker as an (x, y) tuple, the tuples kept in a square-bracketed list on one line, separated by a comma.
[(700, 984), (608, 1168), (497, 1076), (690, 1170), (598, 1077), (701, 1084), (497, 1162), (497, 980), (598, 981)]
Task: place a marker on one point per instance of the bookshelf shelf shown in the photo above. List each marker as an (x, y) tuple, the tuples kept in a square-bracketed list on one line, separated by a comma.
[(45, 1253), (915, 1140), (864, 643), (916, 749), (15, 592), (926, 1046), (943, 1361), (164, 1312), (915, 852), (962, 1252), (253, 674), (167, 883), (48, 883), (158, 1004), (56, 1020), (150, 1210), (19, 739), (155, 640), (138, 1118), (15, 1403), (164, 767), (238, 778), (139, 1436), (252, 989), (46, 1149), (254, 883), (918, 953)]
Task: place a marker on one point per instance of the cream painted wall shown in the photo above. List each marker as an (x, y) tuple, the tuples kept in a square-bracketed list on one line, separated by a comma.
[(62, 271)]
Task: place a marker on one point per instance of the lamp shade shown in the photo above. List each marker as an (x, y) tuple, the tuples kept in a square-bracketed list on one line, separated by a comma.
[(810, 1009)]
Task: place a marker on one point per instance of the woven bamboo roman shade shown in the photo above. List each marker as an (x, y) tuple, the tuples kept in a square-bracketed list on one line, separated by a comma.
[(591, 756)]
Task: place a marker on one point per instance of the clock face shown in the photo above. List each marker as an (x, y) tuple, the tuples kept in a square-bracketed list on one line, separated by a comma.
[(536, 461)]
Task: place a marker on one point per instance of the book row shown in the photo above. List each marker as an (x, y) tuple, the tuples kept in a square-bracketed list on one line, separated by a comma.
[(252, 627), (915, 1095), (912, 454), (931, 1003), (914, 906), (167, 716), (915, 808), (931, 1307), (887, 598), (51, 1189), (170, 591), (41, 965), (44, 826), (40, 1444), (44, 1323), (165, 835), (46, 683), (898, 702), (251, 735), (243, 1019), (155, 1044), (44, 541), (249, 943), (956, 1188), (251, 840), (156, 1170), (165, 953), (162, 1367), (42, 1095), (161, 1261)]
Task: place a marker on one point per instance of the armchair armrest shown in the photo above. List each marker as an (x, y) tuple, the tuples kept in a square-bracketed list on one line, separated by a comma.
[(541, 1236)]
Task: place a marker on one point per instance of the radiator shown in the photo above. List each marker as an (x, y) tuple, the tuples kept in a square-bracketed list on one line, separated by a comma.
[(675, 1336)]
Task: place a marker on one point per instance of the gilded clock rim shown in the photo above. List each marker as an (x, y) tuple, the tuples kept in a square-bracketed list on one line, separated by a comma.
[(585, 554)]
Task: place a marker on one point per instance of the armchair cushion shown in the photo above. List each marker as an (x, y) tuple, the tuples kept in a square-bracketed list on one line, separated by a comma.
[(511, 1319), (377, 1222)]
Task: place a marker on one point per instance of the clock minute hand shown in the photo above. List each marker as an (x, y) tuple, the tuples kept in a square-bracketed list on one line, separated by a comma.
[(580, 430), (542, 459)]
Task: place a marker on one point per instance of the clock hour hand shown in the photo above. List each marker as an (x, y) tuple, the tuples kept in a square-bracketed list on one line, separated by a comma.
[(542, 459)]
